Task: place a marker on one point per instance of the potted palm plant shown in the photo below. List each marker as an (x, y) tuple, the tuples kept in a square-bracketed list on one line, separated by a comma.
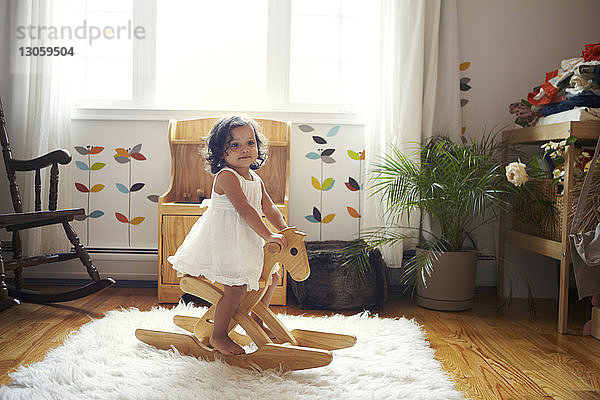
[(451, 187)]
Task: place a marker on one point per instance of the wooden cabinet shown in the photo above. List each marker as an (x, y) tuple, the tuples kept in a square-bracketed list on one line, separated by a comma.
[(177, 212), (177, 227), (587, 133)]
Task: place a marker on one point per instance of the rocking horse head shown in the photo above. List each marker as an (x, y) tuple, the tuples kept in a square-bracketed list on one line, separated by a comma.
[(294, 257)]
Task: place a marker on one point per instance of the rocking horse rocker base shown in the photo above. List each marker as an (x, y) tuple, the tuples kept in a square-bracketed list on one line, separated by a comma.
[(295, 350)]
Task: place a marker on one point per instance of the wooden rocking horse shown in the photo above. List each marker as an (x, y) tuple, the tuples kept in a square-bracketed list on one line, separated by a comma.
[(295, 350)]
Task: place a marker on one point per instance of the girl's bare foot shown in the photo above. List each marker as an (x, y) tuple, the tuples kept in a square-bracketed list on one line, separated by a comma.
[(226, 346)]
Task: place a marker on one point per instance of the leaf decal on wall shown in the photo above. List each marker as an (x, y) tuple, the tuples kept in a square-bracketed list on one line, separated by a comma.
[(463, 129), (136, 186), (121, 159), (328, 218), (319, 140), (96, 214), (327, 152), (122, 152), (317, 214), (315, 182), (121, 218), (81, 165), (311, 218), (464, 87), (136, 148), (333, 131), (96, 188), (313, 156), (81, 150), (81, 187), (306, 128), (122, 188), (465, 65), (97, 166), (138, 156), (362, 155), (328, 184), (353, 213), (327, 160), (463, 102), (153, 198), (353, 155), (96, 149), (352, 184), (137, 220)]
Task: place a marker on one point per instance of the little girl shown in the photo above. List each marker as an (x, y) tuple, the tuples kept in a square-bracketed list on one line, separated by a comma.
[(226, 244)]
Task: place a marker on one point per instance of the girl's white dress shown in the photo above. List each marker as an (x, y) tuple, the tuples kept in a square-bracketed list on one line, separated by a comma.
[(221, 246)]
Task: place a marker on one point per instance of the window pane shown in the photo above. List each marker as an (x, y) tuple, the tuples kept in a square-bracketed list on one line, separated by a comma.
[(328, 51), (101, 33), (315, 38), (116, 79), (316, 7), (314, 82), (211, 54)]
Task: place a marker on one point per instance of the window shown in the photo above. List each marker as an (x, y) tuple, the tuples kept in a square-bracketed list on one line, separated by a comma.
[(105, 65), (211, 53), (327, 48), (289, 55)]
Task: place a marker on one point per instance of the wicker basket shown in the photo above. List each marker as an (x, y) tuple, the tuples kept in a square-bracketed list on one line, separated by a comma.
[(553, 228)]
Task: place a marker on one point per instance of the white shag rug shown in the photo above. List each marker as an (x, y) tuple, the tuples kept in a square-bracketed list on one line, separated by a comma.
[(104, 360)]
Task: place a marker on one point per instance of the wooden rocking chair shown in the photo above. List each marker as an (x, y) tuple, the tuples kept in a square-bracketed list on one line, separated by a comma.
[(20, 220)]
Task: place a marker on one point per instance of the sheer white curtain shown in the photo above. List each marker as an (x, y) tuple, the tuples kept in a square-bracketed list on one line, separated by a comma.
[(38, 112), (416, 89)]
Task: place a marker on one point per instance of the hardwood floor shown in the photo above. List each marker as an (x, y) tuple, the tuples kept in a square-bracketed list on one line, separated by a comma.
[(489, 353)]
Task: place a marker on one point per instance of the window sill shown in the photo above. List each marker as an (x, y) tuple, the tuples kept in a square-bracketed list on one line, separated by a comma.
[(153, 114)]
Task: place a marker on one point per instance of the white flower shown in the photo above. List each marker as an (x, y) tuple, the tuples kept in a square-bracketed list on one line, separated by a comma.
[(563, 143), (553, 145), (556, 153), (585, 154), (557, 173), (516, 174)]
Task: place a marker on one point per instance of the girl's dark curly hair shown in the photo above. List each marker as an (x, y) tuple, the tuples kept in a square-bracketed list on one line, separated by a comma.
[(220, 136)]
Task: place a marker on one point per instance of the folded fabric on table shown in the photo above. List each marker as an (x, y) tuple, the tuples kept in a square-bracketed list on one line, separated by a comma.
[(584, 99), (575, 114), (591, 52)]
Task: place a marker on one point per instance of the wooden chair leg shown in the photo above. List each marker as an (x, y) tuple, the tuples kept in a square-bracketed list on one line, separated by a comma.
[(17, 254), (18, 272), (81, 252), (3, 286), (5, 300)]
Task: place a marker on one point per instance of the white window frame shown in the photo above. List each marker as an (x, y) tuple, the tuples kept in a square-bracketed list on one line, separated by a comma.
[(278, 75)]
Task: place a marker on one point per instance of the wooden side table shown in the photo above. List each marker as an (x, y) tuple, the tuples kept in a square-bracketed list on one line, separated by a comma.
[(587, 132)]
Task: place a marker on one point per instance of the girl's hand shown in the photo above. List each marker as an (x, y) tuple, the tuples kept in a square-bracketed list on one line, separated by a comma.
[(277, 238)]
